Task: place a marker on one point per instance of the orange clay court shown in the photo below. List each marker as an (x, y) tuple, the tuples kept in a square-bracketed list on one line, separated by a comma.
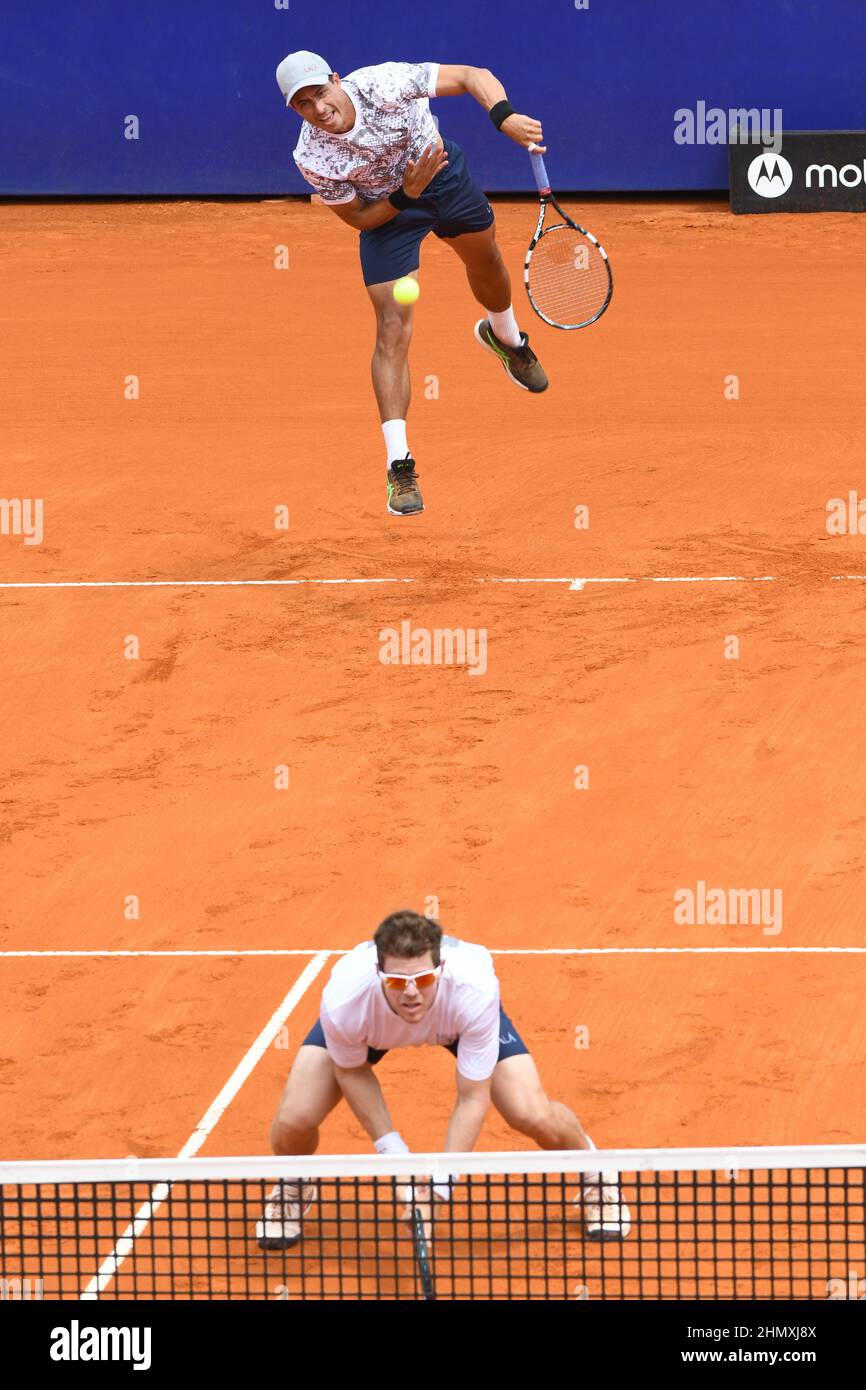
[(153, 779)]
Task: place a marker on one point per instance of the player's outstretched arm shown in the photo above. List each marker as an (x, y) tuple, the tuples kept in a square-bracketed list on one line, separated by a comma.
[(464, 1127), (467, 1117), (364, 1097), (456, 78)]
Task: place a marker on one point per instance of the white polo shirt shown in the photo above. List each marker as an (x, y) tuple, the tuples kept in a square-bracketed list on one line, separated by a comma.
[(393, 124), (355, 1014)]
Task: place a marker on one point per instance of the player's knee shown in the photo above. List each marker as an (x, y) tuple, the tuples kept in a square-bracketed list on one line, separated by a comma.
[(535, 1119), (488, 259), (393, 333), (292, 1129)]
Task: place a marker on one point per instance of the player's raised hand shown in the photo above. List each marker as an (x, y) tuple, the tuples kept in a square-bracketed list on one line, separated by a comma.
[(524, 131), (423, 170)]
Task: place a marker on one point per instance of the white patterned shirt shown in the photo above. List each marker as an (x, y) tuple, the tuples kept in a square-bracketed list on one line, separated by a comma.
[(355, 1014), (393, 125)]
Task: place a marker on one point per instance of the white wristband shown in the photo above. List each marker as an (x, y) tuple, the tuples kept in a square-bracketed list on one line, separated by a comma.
[(419, 1189), (392, 1143)]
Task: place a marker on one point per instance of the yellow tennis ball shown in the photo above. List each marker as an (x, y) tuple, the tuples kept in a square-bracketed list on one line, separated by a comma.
[(407, 290)]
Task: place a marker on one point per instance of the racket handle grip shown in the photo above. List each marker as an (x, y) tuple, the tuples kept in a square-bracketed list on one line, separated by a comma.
[(539, 171)]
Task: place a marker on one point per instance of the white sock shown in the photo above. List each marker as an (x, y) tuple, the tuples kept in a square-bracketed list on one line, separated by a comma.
[(504, 325), (395, 439)]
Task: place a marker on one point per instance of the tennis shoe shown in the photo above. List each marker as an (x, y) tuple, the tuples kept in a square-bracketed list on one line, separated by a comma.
[(404, 495), (605, 1213), (520, 363), (287, 1204)]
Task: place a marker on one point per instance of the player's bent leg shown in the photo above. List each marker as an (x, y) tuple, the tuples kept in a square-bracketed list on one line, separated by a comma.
[(498, 332), (310, 1094), (486, 271), (520, 1098)]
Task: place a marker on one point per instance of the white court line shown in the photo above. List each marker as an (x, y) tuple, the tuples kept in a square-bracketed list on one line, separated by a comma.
[(528, 951), (573, 582), (185, 583), (146, 1212), (578, 584)]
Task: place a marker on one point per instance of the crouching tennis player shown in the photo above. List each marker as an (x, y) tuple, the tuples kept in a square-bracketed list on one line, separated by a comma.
[(370, 148), (409, 987)]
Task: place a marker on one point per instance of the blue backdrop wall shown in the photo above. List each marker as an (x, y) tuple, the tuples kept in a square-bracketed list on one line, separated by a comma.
[(605, 81)]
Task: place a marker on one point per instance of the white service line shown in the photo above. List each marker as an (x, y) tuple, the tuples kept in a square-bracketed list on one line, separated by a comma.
[(508, 951), (646, 579), (573, 582), (228, 951), (685, 951), (185, 583), (113, 1262)]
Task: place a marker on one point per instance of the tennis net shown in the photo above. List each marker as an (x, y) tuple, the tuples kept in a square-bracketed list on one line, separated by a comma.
[(782, 1223)]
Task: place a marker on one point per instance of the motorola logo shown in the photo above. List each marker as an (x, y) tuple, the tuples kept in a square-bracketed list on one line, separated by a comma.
[(770, 175)]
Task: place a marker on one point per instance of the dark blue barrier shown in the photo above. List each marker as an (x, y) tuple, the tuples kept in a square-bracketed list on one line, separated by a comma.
[(606, 81)]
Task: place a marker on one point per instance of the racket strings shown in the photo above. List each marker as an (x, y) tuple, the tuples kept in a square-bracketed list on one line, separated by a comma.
[(568, 278)]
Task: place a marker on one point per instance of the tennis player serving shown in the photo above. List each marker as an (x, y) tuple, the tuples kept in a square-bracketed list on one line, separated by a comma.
[(410, 987), (371, 150)]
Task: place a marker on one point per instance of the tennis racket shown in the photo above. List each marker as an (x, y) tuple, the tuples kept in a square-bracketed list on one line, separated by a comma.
[(418, 1201), (422, 1256), (566, 272)]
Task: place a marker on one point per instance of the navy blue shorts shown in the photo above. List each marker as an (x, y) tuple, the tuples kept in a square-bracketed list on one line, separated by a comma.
[(449, 206), (510, 1042)]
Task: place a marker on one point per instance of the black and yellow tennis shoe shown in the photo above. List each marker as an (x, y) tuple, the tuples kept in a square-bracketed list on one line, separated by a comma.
[(520, 363), (404, 495)]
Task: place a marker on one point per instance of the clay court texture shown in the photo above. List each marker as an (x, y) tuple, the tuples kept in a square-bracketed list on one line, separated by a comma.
[(207, 758)]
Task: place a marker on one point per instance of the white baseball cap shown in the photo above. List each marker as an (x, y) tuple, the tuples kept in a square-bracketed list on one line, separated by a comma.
[(299, 70)]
